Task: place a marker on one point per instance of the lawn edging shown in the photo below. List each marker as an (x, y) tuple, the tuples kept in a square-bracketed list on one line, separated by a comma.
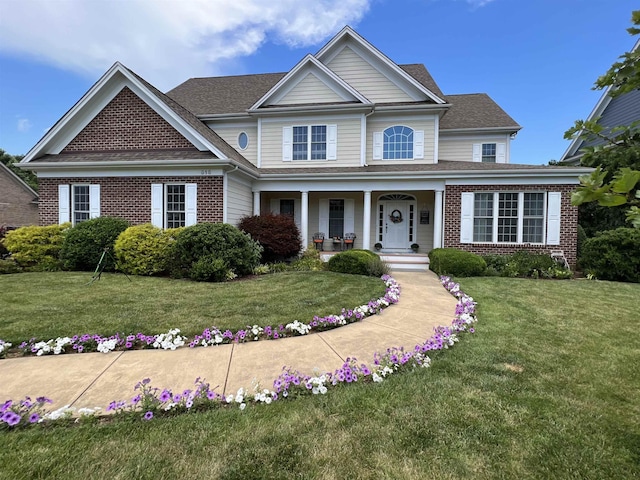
[(151, 402)]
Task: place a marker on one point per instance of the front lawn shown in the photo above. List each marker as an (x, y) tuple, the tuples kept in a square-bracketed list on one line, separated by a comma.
[(547, 387), (48, 305)]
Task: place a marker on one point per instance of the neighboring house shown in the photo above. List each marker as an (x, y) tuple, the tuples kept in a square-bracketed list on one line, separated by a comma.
[(18, 201), (347, 141), (608, 112)]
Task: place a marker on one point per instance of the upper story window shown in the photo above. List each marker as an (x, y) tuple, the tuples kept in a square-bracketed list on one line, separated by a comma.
[(243, 140), (397, 143), (489, 153), (309, 142)]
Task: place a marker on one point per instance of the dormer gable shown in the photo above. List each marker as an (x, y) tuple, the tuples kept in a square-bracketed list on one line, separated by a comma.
[(310, 82), (372, 73)]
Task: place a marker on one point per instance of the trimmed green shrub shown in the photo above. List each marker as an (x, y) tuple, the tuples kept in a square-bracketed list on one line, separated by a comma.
[(144, 249), (309, 260), (9, 266), (613, 255), (37, 248), (355, 262), (278, 235), (525, 264), (84, 244), (376, 267), (450, 261), (221, 240), (209, 268)]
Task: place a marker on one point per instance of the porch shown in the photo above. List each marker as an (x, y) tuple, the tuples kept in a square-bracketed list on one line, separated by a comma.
[(415, 262)]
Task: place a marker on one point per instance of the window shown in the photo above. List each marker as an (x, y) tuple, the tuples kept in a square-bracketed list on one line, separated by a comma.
[(489, 153), (175, 209), (81, 203), (174, 204), (397, 143), (510, 217), (77, 203), (287, 206), (336, 218), (310, 142), (243, 140), (483, 217), (533, 218)]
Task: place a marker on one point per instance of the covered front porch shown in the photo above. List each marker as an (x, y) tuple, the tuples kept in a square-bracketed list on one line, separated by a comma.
[(391, 220)]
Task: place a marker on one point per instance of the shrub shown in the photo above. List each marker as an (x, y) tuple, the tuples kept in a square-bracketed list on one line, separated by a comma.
[(355, 262), (9, 266), (37, 248), (84, 244), (3, 250), (221, 240), (582, 237), (309, 260), (450, 261), (613, 255), (278, 235), (524, 264), (376, 267), (209, 268), (144, 249)]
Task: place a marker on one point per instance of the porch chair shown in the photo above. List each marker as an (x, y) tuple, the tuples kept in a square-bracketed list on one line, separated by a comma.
[(318, 240), (349, 239)]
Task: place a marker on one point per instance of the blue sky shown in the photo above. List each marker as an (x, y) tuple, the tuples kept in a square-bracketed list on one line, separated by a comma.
[(537, 58)]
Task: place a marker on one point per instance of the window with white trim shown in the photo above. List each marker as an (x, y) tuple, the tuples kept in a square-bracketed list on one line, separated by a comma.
[(78, 203), (336, 218), (309, 142), (81, 203), (398, 142), (510, 217), (174, 205), (287, 207), (488, 153)]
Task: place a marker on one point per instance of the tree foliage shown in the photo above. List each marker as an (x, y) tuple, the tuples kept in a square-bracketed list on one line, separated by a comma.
[(11, 160), (614, 183)]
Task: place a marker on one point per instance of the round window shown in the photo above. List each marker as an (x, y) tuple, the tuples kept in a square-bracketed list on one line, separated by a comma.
[(243, 140)]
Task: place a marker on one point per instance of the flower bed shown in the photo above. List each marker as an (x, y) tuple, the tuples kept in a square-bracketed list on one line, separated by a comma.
[(151, 402), (210, 336)]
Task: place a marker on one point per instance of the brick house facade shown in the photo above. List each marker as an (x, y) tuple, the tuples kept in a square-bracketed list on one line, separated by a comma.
[(18, 202)]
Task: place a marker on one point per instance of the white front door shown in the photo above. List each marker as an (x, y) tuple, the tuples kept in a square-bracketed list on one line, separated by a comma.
[(396, 226)]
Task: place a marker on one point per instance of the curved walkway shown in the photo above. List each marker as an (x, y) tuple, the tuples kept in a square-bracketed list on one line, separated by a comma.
[(95, 379)]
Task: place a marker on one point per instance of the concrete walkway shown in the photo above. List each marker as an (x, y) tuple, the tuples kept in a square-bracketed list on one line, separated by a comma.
[(95, 379)]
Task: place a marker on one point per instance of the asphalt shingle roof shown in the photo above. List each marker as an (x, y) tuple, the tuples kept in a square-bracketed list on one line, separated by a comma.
[(475, 110)]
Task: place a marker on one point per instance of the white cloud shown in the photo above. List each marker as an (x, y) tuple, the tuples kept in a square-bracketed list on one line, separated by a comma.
[(23, 125), (165, 41), (479, 3)]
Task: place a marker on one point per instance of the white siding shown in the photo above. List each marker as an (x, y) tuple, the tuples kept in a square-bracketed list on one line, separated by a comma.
[(460, 148), (362, 76), (310, 90), (239, 200), (422, 123), (348, 142), (229, 134)]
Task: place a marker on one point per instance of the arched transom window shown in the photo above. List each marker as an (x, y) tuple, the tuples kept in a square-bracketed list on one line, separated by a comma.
[(397, 143)]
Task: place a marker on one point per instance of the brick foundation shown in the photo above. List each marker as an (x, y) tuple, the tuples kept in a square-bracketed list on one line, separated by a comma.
[(130, 197), (568, 221)]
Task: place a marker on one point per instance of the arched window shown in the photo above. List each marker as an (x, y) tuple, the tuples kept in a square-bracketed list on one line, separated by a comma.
[(397, 143)]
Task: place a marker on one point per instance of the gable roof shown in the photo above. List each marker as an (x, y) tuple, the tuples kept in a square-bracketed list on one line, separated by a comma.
[(476, 111), (6, 171)]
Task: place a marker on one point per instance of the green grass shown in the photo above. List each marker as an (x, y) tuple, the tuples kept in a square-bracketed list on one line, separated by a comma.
[(547, 388), (48, 305)]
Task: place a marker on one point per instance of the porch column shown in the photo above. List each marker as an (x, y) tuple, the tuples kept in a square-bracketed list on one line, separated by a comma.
[(304, 218), (437, 220), (366, 221), (256, 202)]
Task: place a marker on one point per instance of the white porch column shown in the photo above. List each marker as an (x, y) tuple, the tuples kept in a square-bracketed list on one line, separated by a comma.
[(304, 218), (437, 220), (366, 221), (256, 202)]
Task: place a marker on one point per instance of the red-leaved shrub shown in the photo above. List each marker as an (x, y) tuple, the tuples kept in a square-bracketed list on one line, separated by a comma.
[(278, 235)]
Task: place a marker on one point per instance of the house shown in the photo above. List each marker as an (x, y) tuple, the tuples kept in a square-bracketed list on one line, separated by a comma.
[(609, 113), (18, 201), (347, 141)]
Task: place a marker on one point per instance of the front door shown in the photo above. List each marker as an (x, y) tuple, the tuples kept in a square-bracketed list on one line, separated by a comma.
[(396, 225)]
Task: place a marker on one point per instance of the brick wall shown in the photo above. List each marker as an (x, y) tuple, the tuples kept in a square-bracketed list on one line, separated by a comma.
[(17, 206), (130, 197), (127, 123), (568, 222)]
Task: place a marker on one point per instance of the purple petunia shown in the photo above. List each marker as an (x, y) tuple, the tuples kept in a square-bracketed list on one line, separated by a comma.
[(148, 415)]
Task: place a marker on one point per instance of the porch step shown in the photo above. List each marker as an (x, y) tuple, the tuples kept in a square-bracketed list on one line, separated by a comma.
[(396, 261)]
